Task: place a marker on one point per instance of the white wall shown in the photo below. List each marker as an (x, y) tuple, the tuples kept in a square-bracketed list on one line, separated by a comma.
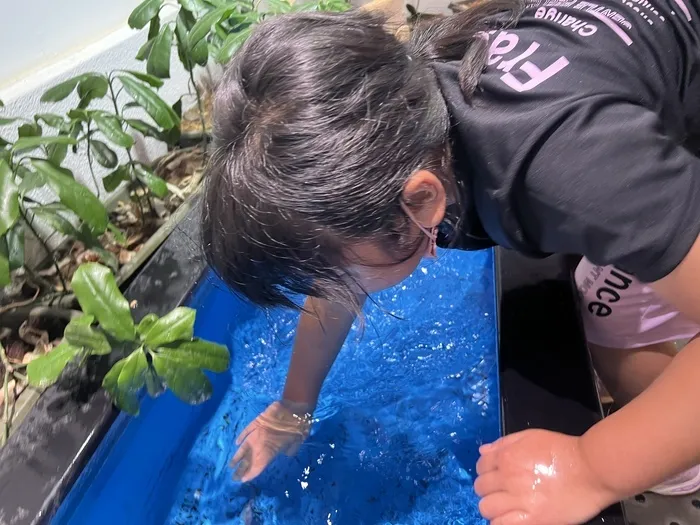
[(34, 33)]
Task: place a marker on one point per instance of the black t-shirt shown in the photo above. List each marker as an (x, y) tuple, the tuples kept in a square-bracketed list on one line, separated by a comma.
[(576, 140)]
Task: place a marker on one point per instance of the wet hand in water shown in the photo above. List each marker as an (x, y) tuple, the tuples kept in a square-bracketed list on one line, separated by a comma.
[(280, 429), (538, 477)]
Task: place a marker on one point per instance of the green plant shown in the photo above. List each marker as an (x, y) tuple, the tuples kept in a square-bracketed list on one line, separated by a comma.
[(32, 162), (159, 353), (204, 29), (89, 126)]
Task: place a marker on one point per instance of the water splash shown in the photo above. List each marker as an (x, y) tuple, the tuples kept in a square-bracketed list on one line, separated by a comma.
[(400, 419)]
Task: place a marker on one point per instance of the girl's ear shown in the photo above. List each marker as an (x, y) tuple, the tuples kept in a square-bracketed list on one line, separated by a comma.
[(426, 197), (395, 12)]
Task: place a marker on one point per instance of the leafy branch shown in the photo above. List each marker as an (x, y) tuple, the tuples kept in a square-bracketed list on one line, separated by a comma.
[(115, 127), (160, 353)]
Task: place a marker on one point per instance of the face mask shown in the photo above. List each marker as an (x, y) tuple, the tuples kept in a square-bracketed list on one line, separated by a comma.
[(430, 233)]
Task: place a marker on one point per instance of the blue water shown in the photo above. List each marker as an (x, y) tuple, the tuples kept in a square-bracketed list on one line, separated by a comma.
[(396, 433)]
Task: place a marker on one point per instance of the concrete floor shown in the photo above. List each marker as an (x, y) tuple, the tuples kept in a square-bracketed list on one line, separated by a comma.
[(652, 509)]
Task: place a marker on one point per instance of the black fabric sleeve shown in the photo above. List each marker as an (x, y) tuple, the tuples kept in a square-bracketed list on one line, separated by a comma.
[(609, 184)]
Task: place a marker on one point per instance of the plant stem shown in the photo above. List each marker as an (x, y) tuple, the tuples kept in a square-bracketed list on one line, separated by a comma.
[(89, 157), (6, 389), (45, 246), (200, 108), (6, 411), (113, 96)]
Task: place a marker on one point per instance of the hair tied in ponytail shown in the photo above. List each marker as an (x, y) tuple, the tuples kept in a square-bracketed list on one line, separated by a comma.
[(463, 37)]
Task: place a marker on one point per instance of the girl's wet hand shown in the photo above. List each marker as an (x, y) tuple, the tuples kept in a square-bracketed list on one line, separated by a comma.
[(538, 477), (280, 429)]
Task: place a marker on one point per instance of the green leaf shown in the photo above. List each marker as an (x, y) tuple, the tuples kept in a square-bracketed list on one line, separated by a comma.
[(146, 323), (103, 154), (91, 88), (9, 198), (155, 106), (5, 277), (220, 33), (131, 381), (98, 294), (154, 27), (145, 129), (74, 195), (112, 181), (203, 26), (30, 143), (90, 240), (157, 185), (158, 63), (181, 29), (125, 380), (79, 333), (61, 224), (56, 153), (189, 55), (4, 121), (111, 127), (177, 108), (143, 13), (193, 6), (75, 130), (145, 50), (83, 320), (154, 384), (278, 6), (111, 379), (31, 180), (61, 91), (45, 370), (198, 354), (149, 79), (175, 326), (29, 130), (232, 44), (188, 384), (15, 246), (79, 115), (200, 53), (118, 234), (57, 221), (50, 119)]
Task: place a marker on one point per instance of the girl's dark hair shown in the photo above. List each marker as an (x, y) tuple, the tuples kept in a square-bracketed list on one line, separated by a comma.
[(319, 121)]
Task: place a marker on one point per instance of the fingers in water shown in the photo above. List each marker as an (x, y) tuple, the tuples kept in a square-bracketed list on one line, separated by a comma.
[(487, 463), (241, 470), (487, 448), (499, 504), (489, 483), (513, 518), (246, 432)]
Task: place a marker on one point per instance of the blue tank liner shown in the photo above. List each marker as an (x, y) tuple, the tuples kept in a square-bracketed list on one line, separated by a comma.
[(398, 426)]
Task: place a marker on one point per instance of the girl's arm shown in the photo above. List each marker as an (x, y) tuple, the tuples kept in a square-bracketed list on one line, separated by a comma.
[(658, 434), (284, 426), (320, 335)]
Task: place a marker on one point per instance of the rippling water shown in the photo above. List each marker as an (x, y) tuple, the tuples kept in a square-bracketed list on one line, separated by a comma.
[(399, 422)]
